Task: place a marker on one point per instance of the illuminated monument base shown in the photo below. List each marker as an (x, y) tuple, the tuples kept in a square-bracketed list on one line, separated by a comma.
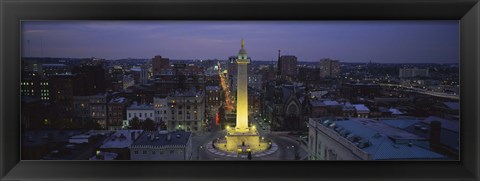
[(242, 142)]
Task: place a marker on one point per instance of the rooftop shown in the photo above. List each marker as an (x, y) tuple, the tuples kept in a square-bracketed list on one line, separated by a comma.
[(104, 156), (452, 105), (118, 100), (136, 106), (317, 103), (395, 111), (381, 141), (446, 124), (162, 139), (186, 93), (213, 88), (422, 128), (361, 107), (121, 139), (41, 137)]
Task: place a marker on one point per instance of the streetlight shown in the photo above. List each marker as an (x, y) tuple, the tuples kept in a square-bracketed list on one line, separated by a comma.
[(198, 152)]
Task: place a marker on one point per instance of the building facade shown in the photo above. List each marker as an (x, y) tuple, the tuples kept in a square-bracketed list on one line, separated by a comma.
[(117, 108), (329, 68), (161, 108), (141, 111), (163, 145), (287, 66), (160, 64), (186, 110)]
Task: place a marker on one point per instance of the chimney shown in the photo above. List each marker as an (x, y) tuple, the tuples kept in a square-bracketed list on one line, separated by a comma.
[(435, 129)]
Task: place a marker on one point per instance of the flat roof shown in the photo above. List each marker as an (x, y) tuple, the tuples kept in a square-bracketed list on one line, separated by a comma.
[(451, 125), (361, 107), (140, 107), (160, 139), (381, 139)]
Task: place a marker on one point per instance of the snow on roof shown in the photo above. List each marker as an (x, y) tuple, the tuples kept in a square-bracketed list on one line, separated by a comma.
[(361, 107), (381, 138), (395, 111), (446, 124), (135, 106), (452, 105), (331, 103), (121, 139), (175, 138), (118, 100)]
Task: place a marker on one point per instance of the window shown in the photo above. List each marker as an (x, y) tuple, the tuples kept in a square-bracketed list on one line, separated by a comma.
[(144, 152), (153, 152), (136, 152), (140, 114), (172, 151), (165, 112), (151, 115)]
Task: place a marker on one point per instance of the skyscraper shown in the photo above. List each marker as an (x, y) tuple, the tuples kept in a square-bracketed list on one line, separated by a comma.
[(329, 68), (143, 75), (287, 67), (160, 64)]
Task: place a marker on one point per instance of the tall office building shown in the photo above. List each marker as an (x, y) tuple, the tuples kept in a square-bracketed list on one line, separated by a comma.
[(329, 68), (143, 74), (160, 64), (287, 67)]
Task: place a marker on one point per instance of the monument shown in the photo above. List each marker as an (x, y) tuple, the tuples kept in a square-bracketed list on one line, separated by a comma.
[(243, 138)]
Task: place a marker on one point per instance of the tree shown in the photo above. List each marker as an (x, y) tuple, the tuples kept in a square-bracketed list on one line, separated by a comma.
[(148, 125), (134, 123)]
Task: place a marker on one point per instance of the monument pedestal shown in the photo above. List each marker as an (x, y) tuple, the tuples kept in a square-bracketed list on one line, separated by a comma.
[(247, 140)]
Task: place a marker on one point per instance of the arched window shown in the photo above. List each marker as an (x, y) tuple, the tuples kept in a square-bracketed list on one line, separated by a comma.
[(292, 110)]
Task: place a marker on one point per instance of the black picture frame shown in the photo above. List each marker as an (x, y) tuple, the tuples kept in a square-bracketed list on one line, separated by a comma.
[(13, 11)]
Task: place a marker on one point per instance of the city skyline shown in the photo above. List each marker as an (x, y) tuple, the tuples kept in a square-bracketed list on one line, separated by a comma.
[(348, 41)]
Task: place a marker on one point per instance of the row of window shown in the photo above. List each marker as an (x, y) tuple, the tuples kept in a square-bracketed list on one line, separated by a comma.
[(139, 114)]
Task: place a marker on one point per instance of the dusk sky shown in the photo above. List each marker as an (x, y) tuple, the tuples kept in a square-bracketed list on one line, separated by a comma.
[(348, 41)]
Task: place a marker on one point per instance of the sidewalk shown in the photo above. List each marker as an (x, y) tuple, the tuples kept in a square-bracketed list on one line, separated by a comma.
[(236, 155)]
